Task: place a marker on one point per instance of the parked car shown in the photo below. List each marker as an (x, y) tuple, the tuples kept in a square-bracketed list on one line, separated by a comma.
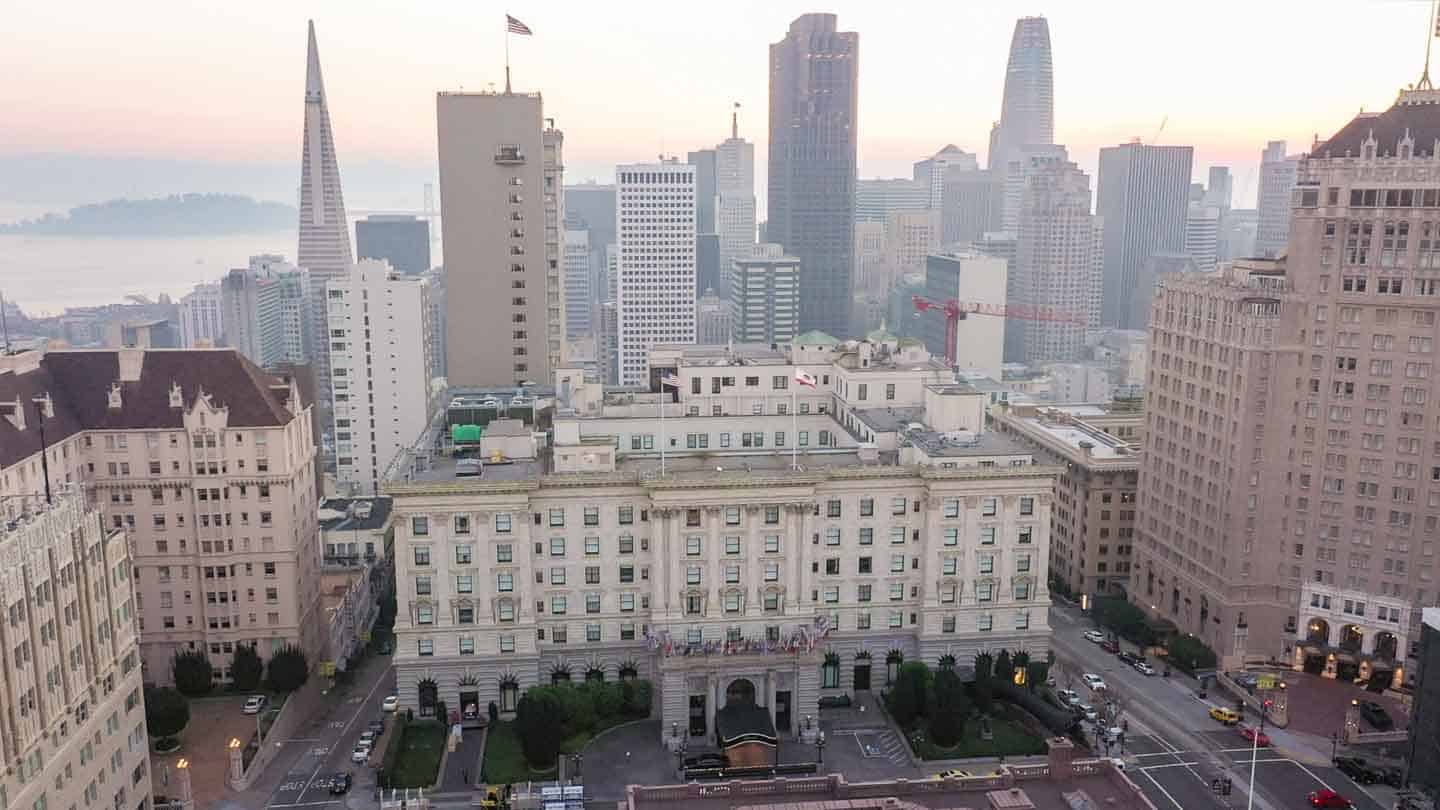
[(390, 704), (255, 704), (1128, 657), (1068, 697), (1376, 715), (367, 737), (377, 726), (1250, 734), (361, 753), (1110, 646), (1095, 682), (1095, 636), (1393, 776), (1358, 770), (1328, 799), (340, 784), (1227, 716), (1087, 711), (1144, 668)]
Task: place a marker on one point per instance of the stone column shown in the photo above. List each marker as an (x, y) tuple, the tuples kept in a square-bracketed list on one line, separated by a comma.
[(752, 546), (798, 555), (711, 525), (661, 556), (712, 704), (770, 689)]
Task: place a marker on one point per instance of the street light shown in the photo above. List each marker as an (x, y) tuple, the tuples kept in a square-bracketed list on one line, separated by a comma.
[(820, 748), (1255, 753)]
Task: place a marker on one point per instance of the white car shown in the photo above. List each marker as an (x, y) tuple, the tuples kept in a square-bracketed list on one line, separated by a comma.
[(1095, 636), (254, 704), (367, 738), (361, 753), (391, 703), (1087, 711), (1144, 668), (1068, 697), (1095, 682)]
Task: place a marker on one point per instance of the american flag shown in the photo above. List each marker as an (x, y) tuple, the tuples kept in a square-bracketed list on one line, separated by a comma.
[(514, 26), (804, 379), (669, 381)]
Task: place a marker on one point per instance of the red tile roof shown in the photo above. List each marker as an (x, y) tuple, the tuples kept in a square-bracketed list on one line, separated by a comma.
[(79, 384)]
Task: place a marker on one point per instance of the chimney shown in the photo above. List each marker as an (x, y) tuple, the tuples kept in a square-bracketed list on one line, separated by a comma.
[(131, 361), (14, 412)]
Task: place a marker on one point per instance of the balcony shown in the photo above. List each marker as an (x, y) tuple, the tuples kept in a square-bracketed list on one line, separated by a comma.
[(509, 155)]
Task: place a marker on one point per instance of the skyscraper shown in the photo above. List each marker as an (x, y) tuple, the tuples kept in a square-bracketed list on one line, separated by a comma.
[(1143, 198), (1059, 252), (401, 240), (734, 200), (931, 171), (1202, 234), (324, 248), (656, 266), (200, 320), (1277, 180), (500, 189), (580, 299), (267, 309), (765, 296), (969, 205), (813, 96), (1027, 110)]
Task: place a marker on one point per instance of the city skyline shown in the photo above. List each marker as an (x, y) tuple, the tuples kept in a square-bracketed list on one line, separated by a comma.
[(380, 107)]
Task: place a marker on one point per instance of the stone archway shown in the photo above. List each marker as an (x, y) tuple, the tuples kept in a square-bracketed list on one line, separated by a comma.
[(1352, 638), (428, 695), (1386, 645), (1318, 632), (740, 693)]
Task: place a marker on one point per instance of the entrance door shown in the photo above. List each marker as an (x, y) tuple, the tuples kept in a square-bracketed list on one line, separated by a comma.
[(697, 715), (862, 677), (782, 712), (1314, 664), (469, 707)]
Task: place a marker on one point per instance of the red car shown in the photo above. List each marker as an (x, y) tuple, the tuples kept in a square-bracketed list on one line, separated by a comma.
[(1329, 799), (1249, 734), (1110, 646)]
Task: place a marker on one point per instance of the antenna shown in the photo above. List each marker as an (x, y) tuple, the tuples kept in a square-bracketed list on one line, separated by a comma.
[(1424, 83), (735, 121)]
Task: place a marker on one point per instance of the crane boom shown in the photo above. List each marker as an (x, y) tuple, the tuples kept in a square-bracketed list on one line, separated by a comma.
[(956, 311)]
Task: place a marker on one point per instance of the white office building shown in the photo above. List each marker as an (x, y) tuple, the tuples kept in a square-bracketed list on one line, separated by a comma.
[(200, 319), (579, 292), (1277, 179), (378, 322), (734, 200), (655, 268), (1202, 234)]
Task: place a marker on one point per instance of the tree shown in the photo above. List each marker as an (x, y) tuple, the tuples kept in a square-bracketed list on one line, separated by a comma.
[(984, 677), (1004, 667), (1036, 673), (167, 711), (540, 723), (192, 672), (948, 708), (907, 697), (1190, 653), (288, 669), (1123, 618), (246, 668)]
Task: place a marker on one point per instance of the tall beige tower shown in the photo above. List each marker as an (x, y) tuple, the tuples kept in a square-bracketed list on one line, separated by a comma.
[(500, 190)]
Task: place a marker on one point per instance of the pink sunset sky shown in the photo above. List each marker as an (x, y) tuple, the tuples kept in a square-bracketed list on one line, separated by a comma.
[(224, 82)]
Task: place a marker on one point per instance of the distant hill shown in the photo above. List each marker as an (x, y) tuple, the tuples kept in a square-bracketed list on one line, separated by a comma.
[(176, 215)]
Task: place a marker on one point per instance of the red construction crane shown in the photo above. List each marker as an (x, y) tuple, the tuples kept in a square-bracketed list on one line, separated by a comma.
[(957, 311)]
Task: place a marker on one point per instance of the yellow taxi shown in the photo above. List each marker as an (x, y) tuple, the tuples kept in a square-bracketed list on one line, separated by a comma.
[(1227, 716)]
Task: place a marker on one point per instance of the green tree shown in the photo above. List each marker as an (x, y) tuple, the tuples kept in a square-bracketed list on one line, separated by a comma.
[(167, 711), (246, 668), (192, 673), (1123, 618), (1190, 653), (907, 697), (288, 669), (1036, 673), (984, 681), (1004, 667), (948, 708), (540, 724)]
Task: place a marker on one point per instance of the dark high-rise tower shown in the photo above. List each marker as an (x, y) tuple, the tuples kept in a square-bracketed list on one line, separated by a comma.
[(813, 73)]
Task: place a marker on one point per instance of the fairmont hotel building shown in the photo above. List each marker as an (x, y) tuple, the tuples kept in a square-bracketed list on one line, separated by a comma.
[(763, 544)]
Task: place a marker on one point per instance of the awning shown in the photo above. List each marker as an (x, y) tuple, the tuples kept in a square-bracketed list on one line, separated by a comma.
[(744, 724)]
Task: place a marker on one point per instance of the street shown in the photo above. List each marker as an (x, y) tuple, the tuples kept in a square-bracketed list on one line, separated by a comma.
[(1175, 750), (307, 764)]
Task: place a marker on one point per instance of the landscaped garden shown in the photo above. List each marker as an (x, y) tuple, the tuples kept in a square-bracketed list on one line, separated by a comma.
[(413, 758), (997, 714), (559, 718)]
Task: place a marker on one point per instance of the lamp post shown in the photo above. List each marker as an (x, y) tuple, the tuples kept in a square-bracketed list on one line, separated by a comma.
[(820, 748), (1255, 754)]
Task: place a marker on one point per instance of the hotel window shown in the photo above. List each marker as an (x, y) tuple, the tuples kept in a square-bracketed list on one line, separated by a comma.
[(463, 554), (557, 547), (462, 524), (952, 507), (592, 603), (627, 544), (426, 647), (1022, 563), (732, 516), (984, 591), (987, 535), (422, 556), (862, 620), (832, 508), (557, 517), (867, 536), (897, 535), (947, 624), (558, 605), (692, 575), (1027, 535), (592, 546), (772, 572), (772, 544), (626, 515), (504, 553), (465, 615), (732, 574), (897, 506), (947, 594), (864, 565), (507, 645), (627, 573), (987, 563), (592, 575), (1022, 621), (592, 516), (507, 610), (732, 544), (1022, 590), (897, 619), (989, 506), (420, 526), (692, 545), (557, 576), (464, 583), (425, 614), (732, 602), (772, 602), (897, 563), (627, 632), (952, 536), (897, 591), (832, 537), (862, 593), (559, 635), (1027, 506), (505, 582), (985, 623), (422, 586), (832, 594), (502, 523), (467, 645), (867, 507), (627, 602), (592, 632)]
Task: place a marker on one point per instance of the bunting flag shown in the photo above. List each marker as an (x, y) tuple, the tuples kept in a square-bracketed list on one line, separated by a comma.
[(514, 26)]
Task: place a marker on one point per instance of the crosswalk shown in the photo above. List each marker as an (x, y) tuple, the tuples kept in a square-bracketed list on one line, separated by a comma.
[(880, 743)]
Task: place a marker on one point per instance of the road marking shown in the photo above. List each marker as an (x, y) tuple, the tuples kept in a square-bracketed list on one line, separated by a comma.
[(1158, 786), (1322, 782), (343, 731), (305, 804), (1168, 765)]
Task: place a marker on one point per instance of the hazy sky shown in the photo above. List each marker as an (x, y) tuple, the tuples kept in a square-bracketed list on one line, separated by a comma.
[(224, 82)]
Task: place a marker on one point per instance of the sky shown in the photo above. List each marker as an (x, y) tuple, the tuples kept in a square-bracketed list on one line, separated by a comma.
[(220, 85)]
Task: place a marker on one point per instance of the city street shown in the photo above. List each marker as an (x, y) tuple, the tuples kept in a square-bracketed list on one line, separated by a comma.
[(300, 775), (1175, 750)]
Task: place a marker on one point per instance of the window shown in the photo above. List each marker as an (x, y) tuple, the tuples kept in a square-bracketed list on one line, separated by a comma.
[(420, 526), (422, 556), (465, 583), (464, 554), (989, 507), (952, 507), (505, 582), (772, 515), (830, 675), (422, 587), (626, 515), (504, 553), (426, 647), (558, 605), (592, 546), (502, 523), (425, 614), (692, 575), (462, 524), (557, 517), (897, 563), (557, 547), (592, 603), (772, 572), (952, 536), (987, 535), (557, 576), (1027, 506), (627, 603), (772, 544), (867, 536), (832, 537), (467, 645), (693, 545), (897, 506), (867, 507), (864, 565), (592, 575), (592, 516), (985, 623), (732, 544), (732, 516)]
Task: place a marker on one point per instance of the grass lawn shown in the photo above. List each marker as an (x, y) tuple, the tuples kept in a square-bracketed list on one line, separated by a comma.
[(418, 763), (1011, 739), (504, 758)]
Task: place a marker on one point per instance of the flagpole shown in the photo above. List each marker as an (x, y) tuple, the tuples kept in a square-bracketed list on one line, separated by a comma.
[(795, 424), (507, 54), (662, 427)]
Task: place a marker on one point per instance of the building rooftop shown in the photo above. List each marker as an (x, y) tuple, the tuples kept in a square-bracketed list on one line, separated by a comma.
[(722, 354), (964, 444), (889, 420), (345, 514), (1103, 445), (816, 338), (1415, 113)]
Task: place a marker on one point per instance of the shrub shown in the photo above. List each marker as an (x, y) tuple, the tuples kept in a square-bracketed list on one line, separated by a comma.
[(246, 668), (288, 669), (540, 721), (984, 678), (1189, 653), (1004, 667), (192, 672), (167, 712), (1125, 619), (638, 705), (948, 708), (907, 697)]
